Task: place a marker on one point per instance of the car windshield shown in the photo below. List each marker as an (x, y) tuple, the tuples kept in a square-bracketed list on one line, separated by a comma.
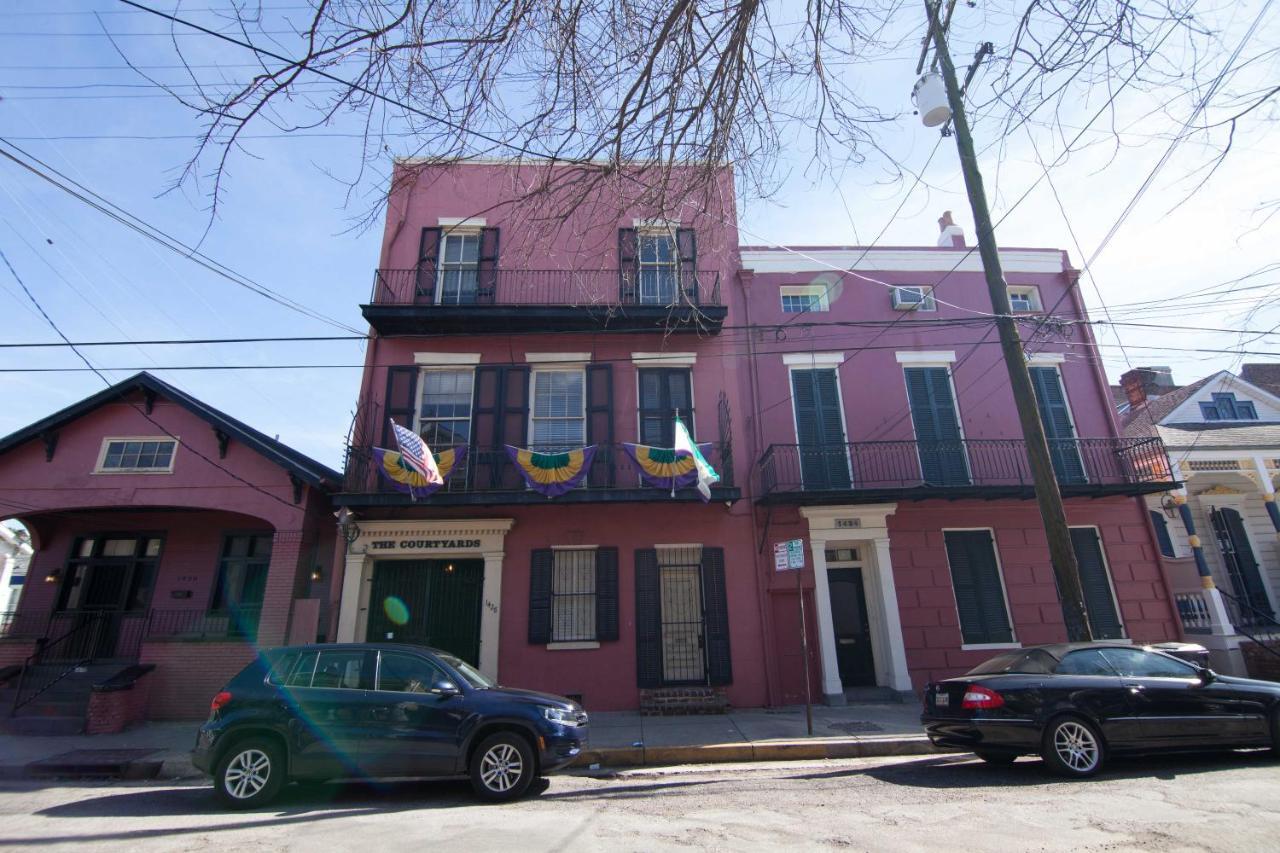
[(470, 674), (1036, 661)]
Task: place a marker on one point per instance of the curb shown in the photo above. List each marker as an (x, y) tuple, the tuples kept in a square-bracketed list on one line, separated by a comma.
[(773, 750)]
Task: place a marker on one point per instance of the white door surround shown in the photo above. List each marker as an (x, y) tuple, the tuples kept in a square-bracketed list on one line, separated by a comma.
[(866, 528), (458, 538)]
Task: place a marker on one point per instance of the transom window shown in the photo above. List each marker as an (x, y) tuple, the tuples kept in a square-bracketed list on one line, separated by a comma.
[(1024, 299), (559, 417), (573, 595), (802, 299), (110, 572), (658, 267), (1225, 407), (459, 268), (444, 416), (129, 455)]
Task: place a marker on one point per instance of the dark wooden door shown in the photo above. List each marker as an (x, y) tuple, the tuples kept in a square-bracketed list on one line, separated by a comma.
[(854, 656), (428, 602)]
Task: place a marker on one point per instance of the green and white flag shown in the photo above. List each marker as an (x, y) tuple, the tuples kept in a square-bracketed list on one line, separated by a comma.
[(685, 446)]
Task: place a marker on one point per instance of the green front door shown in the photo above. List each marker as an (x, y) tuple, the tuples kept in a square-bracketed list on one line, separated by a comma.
[(429, 602)]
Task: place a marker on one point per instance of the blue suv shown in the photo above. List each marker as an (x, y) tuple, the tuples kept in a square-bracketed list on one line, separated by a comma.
[(379, 710)]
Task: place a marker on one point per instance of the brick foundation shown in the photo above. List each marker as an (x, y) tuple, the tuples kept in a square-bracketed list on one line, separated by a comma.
[(114, 711), (188, 674), (1261, 663)]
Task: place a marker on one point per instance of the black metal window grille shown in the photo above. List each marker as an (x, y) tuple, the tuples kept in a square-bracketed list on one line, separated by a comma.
[(684, 657), (573, 596)]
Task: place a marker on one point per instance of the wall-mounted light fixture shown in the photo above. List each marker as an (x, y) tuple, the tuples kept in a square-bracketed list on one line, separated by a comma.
[(53, 576), (317, 574), (1169, 506), (347, 527)]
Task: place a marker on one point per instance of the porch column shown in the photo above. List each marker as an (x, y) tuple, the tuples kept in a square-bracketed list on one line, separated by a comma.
[(277, 598), (832, 687), (349, 605), (895, 651), (1268, 492), (490, 613), (1219, 621)]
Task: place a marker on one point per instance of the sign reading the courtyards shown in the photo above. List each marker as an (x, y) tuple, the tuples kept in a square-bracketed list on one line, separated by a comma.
[(422, 544)]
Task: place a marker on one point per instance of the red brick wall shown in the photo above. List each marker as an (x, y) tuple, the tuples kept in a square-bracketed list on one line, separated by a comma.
[(16, 651), (930, 624), (187, 675), (115, 710)]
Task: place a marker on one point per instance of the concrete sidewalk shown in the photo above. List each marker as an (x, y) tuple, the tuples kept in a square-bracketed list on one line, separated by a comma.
[(617, 739), (625, 739)]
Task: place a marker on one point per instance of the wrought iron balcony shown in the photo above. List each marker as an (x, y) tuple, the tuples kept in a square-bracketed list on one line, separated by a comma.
[(865, 472), (487, 477), (423, 300)]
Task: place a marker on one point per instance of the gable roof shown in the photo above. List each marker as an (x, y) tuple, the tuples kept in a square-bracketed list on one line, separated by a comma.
[(302, 466)]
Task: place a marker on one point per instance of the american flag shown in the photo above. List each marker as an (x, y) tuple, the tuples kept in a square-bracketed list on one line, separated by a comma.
[(416, 454)]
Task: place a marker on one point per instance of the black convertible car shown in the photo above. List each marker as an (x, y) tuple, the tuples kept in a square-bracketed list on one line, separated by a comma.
[(1076, 704)]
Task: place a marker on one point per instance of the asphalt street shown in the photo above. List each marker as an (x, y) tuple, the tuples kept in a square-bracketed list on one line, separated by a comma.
[(930, 803)]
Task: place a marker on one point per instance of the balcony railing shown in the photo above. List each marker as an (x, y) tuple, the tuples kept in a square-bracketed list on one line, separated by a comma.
[(490, 477), (1082, 465), (583, 289), (97, 634)]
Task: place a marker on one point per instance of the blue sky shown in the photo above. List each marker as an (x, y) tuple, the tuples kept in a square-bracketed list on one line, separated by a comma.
[(67, 97)]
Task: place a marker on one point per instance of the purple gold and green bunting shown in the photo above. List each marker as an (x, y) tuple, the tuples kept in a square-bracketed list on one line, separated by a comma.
[(552, 474), (404, 478), (663, 467)]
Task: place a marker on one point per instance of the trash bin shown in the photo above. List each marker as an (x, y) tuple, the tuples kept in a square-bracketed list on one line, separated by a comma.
[(1190, 652)]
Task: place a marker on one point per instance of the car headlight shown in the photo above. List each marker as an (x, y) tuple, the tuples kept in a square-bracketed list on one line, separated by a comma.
[(560, 716)]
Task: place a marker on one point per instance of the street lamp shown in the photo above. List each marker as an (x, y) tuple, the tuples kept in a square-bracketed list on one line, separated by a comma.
[(347, 527)]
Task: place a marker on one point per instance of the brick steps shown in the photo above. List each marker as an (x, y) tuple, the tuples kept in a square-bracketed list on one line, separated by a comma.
[(62, 708), (683, 700)]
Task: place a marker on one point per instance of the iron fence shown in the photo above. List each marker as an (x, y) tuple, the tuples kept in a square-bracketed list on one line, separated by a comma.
[(240, 623), (884, 465), (604, 289)]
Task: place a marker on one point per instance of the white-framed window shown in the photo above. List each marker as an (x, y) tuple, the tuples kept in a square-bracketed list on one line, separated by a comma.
[(659, 267), (141, 455), (558, 416), (573, 595), (444, 406), (913, 298), (1024, 298), (804, 298), (459, 267)]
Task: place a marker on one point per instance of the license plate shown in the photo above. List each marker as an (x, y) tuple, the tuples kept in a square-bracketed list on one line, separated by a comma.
[(940, 698)]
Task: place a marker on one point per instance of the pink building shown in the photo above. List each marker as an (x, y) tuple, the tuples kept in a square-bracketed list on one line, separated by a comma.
[(169, 539), (495, 323), (887, 439)]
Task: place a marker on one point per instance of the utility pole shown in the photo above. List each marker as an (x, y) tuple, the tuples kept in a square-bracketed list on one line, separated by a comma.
[(1048, 496)]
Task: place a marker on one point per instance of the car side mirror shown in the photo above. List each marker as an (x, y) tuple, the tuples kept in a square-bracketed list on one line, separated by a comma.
[(444, 689), (1206, 675)]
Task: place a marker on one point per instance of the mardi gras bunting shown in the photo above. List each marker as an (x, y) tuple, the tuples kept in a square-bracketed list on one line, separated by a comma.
[(663, 467), (552, 474), (404, 477)]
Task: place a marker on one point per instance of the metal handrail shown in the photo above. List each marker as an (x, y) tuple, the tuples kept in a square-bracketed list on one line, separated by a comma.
[(94, 622), (1250, 627)]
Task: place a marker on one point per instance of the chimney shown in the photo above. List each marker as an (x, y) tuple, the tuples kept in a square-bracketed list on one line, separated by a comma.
[(1142, 383), (952, 235)]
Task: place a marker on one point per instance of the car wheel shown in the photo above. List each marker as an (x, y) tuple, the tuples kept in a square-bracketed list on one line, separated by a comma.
[(250, 774), (502, 767), (996, 757), (1072, 747)]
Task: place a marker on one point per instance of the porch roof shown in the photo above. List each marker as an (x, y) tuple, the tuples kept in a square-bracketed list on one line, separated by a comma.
[(303, 467), (1256, 435)]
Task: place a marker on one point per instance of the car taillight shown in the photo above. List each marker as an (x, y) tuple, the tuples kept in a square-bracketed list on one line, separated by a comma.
[(976, 696), (218, 701)]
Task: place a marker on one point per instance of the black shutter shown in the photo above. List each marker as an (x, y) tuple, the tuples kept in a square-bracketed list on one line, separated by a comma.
[(600, 423), (933, 412), (500, 415), (1242, 565), (664, 392), (1056, 417), (540, 569), (401, 400), (819, 429), (428, 264), (1099, 603), (606, 594), (487, 267), (715, 599), (975, 578), (628, 265), (648, 620), (687, 249), (1162, 533)]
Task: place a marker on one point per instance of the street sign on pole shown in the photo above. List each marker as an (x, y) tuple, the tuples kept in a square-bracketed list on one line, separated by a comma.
[(789, 557)]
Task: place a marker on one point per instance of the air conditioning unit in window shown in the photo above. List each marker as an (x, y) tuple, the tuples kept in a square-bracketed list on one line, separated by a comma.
[(909, 298)]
